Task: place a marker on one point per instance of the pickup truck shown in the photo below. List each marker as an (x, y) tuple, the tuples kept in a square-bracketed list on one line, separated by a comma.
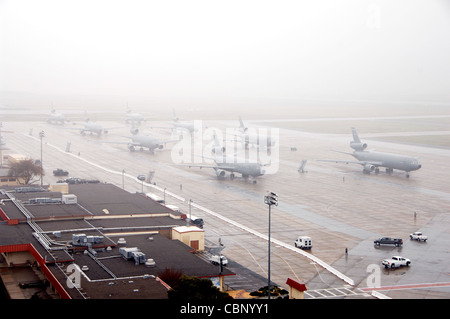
[(60, 172), (418, 236), (396, 262), (388, 241)]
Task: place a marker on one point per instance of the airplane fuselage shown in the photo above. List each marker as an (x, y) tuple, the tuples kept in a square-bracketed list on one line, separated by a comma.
[(388, 160), (246, 169), (146, 141), (134, 117), (183, 125), (234, 165), (93, 128), (56, 118)]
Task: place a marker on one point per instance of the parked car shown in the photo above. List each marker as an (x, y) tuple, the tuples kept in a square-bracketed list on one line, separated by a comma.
[(396, 262), (418, 236), (388, 241), (198, 222)]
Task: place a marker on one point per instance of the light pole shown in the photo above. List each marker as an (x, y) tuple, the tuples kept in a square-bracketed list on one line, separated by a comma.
[(270, 199), (188, 221), (41, 135), (142, 179)]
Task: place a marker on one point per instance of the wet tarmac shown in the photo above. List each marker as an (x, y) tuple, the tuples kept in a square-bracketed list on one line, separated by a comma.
[(336, 204)]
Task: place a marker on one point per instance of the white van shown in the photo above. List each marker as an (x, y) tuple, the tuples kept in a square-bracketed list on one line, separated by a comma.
[(303, 242)]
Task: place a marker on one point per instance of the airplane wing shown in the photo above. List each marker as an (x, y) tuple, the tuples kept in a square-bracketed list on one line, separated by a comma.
[(117, 142), (353, 162), (197, 165), (112, 128), (73, 128), (209, 166), (166, 127)]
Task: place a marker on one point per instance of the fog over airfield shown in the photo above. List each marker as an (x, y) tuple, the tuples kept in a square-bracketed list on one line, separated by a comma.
[(216, 54)]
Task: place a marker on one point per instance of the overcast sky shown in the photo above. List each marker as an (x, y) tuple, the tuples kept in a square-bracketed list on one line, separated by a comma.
[(351, 49)]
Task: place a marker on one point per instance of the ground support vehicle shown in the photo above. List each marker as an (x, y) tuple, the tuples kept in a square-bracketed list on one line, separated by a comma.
[(303, 242)]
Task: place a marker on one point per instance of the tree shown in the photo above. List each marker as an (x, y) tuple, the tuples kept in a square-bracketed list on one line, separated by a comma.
[(26, 171), (171, 276), (193, 288)]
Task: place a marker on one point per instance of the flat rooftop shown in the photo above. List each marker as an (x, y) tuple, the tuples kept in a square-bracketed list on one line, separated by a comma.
[(110, 213)]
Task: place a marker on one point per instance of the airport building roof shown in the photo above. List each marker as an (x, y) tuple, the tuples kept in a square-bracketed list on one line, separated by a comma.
[(106, 219)]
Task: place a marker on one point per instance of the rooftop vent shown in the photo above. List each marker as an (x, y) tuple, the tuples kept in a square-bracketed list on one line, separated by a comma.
[(83, 240), (150, 263), (133, 253)]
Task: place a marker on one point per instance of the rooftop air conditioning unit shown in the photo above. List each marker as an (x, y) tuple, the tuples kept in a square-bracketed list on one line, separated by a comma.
[(69, 199)]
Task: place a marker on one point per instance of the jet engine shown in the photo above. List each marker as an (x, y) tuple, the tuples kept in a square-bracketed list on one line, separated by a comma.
[(160, 146), (358, 146), (368, 168), (134, 131), (220, 173)]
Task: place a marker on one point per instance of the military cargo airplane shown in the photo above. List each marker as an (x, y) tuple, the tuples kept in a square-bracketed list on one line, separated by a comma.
[(232, 164), (182, 124), (93, 128), (147, 141), (133, 117), (372, 160), (142, 141), (56, 118), (177, 124)]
